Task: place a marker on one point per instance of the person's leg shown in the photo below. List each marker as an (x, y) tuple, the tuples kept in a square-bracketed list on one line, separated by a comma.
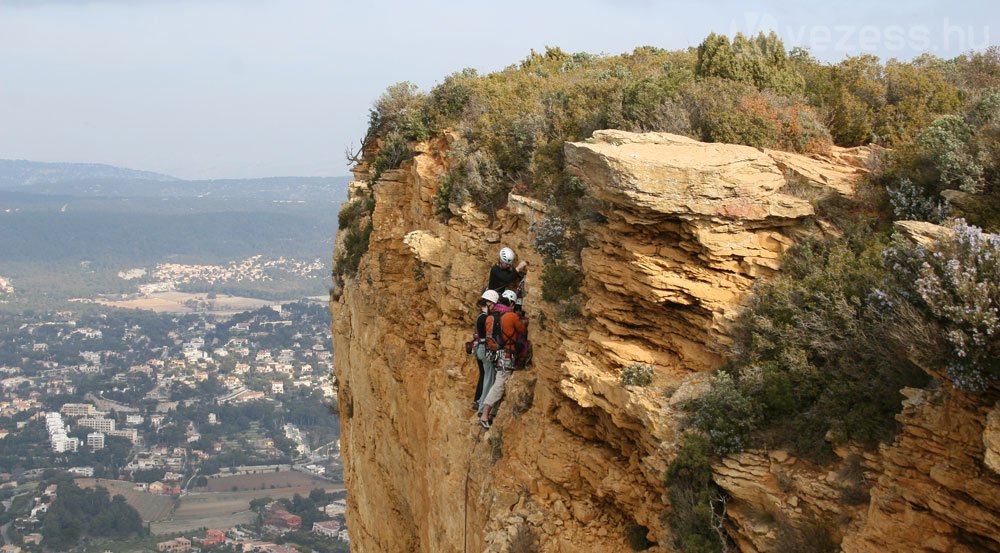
[(495, 393), (489, 376), (479, 386)]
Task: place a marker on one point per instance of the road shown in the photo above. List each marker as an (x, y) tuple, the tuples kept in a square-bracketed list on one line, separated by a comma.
[(188, 485)]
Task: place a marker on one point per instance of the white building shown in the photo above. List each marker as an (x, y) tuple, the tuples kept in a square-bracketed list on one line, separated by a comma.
[(99, 424), (79, 410), (61, 443), (95, 440), (328, 528), (129, 433), (133, 419)]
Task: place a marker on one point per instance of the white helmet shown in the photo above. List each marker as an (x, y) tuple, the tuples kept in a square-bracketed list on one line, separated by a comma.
[(510, 295), (506, 255), (491, 296)]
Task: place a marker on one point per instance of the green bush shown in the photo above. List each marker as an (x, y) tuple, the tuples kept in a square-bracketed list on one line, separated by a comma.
[(637, 374), (443, 196), (958, 285), (352, 212), (560, 281), (393, 152), (354, 246), (727, 415), (399, 110), (736, 113), (692, 517), (759, 61), (355, 224), (814, 355)]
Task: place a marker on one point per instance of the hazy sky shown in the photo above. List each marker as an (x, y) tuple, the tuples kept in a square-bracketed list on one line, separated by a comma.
[(235, 88)]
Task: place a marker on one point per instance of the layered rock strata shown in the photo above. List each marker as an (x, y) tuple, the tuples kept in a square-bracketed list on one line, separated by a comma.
[(575, 460)]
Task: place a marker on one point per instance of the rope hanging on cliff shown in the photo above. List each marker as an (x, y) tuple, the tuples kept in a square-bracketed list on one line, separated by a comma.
[(468, 470)]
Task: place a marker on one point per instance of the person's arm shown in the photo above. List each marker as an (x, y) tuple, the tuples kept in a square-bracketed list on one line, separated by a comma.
[(519, 326)]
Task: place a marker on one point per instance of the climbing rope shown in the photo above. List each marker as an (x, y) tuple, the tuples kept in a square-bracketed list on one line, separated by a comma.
[(468, 470)]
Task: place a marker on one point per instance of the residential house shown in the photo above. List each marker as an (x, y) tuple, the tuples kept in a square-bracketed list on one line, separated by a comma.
[(176, 545), (329, 528)]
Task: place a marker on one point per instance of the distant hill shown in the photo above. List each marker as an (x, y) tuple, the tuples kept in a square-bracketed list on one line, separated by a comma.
[(16, 173), (92, 180), (67, 229), (276, 188)]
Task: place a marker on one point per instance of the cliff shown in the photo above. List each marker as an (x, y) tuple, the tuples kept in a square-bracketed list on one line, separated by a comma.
[(576, 460)]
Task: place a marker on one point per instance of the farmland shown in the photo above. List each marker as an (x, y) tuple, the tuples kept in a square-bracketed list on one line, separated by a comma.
[(220, 507), (282, 482), (151, 507), (217, 507)]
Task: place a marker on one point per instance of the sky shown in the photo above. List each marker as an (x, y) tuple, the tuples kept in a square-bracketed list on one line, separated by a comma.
[(257, 88)]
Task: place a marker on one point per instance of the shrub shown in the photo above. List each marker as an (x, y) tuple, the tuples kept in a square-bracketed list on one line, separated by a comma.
[(910, 203), (692, 517), (354, 247), (352, 212), (393, 152), (959, 286), (651, 105), (398, 110), (560, 281), (760, 61), (728, 111), (449, 99), (637, 374), (813, 356), (550, 237), (726, 415), (443, 197), (945, 147), (354, 221)]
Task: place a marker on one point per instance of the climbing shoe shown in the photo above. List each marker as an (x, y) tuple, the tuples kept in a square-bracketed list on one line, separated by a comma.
[(484, 423)]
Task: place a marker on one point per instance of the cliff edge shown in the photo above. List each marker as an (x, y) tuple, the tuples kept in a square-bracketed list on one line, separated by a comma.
[(575, 460)]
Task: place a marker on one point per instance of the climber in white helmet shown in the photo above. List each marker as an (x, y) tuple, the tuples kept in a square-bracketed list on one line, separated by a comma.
[(503, 275), (477, 347)]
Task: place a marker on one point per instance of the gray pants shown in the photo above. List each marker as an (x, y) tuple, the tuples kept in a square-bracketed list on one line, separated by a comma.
[(489, 374), (496, 391)]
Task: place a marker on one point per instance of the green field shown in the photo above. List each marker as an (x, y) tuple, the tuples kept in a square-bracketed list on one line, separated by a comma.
[(151, 507)]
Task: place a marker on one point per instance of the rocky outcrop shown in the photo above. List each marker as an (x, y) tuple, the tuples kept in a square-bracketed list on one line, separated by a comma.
[(931, 491), (575, 460)]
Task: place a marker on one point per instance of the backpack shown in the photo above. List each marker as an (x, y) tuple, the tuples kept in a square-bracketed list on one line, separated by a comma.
[(477, 336), (496, 340)]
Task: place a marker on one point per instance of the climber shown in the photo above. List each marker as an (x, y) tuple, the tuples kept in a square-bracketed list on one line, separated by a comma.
[(511, 331), (503, 275), (478, 347)]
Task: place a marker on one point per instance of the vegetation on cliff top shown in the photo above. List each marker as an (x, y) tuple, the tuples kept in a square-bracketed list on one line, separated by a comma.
[(938, 114)]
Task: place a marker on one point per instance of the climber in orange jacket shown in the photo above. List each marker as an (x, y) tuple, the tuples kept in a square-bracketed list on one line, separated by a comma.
[(512, 333)]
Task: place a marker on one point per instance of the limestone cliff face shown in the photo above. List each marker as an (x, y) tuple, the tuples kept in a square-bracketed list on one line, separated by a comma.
[(575, 458)]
